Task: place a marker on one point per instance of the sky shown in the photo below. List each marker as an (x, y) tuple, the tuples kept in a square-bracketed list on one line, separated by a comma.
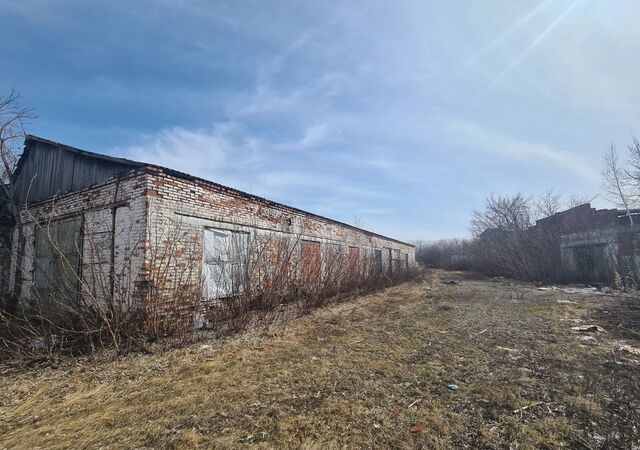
[(398, 116)]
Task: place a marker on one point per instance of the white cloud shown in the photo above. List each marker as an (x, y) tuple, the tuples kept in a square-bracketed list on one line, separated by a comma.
[(341, 114), (208, 153), (314, 136)]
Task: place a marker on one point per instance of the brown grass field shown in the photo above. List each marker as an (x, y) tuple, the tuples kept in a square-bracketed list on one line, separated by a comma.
[(370, 373)]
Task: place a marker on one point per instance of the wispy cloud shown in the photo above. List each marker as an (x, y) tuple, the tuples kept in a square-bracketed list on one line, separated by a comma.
[(203, 152), (476, 138), (345, 109)]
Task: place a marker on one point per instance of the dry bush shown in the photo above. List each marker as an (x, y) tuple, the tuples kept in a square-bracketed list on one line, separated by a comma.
[(450, 254), (505, 243), (284, 284), (526, 254), (97, 307), (84, 309)]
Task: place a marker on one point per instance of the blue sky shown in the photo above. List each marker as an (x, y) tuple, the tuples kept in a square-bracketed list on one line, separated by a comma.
[(400, 115)]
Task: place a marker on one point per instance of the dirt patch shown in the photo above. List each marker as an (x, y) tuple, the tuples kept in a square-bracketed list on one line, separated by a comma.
[(375, 372)]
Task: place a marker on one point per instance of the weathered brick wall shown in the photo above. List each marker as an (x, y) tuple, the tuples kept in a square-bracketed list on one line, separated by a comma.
[(114, 211), (143, 238), (180, 209)]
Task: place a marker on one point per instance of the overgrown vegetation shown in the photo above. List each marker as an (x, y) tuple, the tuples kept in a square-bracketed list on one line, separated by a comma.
[(83, 307), (504, 242), (371, 373)]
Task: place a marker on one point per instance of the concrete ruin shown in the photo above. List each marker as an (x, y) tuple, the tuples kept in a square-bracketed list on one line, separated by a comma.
[(596, 243), (96, 227)]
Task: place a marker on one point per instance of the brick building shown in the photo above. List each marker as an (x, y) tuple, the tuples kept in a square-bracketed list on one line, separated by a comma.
[(97, 228)]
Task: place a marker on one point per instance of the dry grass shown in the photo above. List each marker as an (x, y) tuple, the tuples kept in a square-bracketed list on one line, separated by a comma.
[(369, 373)]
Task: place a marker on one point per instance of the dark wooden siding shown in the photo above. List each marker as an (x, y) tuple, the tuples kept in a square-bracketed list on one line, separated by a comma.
[(47, 169), (6, 220), (5, 264)]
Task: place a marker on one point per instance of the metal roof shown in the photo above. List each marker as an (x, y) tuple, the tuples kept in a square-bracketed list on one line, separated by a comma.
[(131, 164)]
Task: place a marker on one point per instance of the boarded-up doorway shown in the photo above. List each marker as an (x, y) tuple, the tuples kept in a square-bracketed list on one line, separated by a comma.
[(225, 263), (377, 261), (57, 264), (353, 260), (310, 263)]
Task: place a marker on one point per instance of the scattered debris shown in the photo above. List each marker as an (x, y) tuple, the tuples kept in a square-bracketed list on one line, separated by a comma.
[(567, 302), (519, 410), (589, 329), (586, 340), (630, 349), (583, 291), (506, 349), (573, 320), (483, 331), (453, 387), (376, 425), (37, 344), (415, 403), (417, 429), (252, 438)]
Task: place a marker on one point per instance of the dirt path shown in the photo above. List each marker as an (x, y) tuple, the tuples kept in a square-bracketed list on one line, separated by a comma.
[(374, 372)]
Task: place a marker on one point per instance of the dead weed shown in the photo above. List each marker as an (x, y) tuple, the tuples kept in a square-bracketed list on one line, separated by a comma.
[(376, 372)]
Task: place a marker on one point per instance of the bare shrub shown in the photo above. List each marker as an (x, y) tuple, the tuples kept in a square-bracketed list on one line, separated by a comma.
[(450, 254), (504, 242), (285, 283), (172, 291), (75, 305), (507, 244), (91, 301)]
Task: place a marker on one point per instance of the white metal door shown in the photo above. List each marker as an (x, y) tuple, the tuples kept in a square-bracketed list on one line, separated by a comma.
[(225, 263)]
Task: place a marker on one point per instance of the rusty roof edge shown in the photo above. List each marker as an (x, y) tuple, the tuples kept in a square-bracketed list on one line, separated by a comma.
[(186, 176)]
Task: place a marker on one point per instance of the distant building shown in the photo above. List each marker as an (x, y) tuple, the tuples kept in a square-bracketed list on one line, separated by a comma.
[(98, 228), (596, 243)]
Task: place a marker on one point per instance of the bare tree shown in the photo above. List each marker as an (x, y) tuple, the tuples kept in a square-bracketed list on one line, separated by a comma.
[(616, 181), (12, 120), (547, 204), (577, 200), (502, 212), (633, 169)]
